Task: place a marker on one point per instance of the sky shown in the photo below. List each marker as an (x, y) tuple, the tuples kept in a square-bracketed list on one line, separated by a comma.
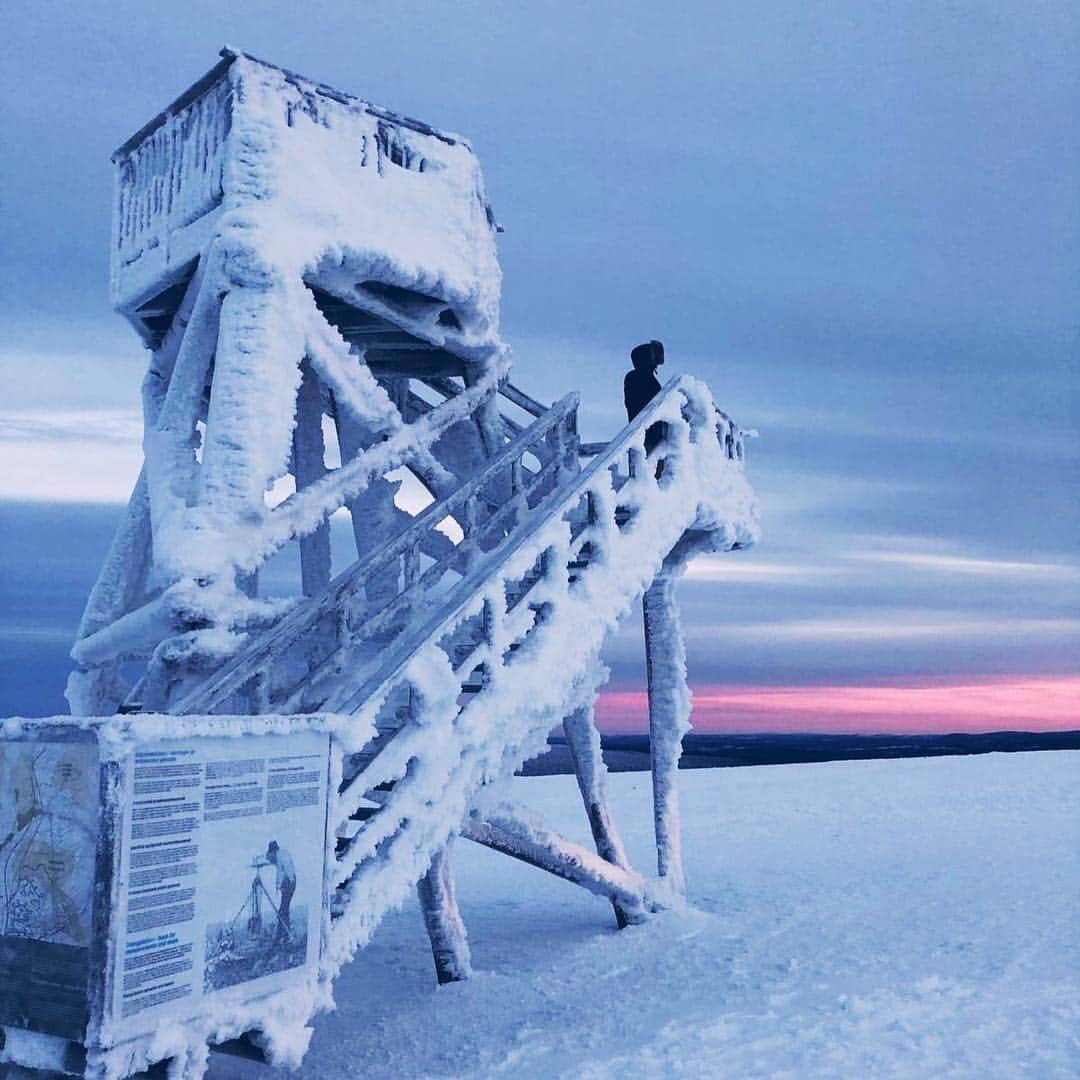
[(858, 222)]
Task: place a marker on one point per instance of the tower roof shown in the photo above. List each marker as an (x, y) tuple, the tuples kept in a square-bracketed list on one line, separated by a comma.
[(229, 55)]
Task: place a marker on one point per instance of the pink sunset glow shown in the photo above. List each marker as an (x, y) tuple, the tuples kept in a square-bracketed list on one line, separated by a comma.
[(928, 707)]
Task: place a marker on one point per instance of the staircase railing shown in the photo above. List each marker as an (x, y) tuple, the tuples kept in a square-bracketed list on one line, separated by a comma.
[(284, 668), (504, 612)]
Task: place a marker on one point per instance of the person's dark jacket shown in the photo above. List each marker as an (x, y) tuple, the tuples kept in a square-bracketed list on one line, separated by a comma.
[(639, 388), (641, 385)]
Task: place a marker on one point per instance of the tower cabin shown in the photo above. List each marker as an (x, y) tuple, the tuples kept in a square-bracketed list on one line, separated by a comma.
[(384, 217)]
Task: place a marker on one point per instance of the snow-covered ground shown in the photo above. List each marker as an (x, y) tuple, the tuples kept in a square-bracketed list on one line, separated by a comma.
[(853, 919)]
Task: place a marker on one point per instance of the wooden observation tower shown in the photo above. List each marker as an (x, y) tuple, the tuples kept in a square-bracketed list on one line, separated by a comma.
[(315, 280)]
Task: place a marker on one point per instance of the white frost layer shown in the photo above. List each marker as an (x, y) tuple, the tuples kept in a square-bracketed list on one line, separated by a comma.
[(274, 183), (118, 734), (908, 918), (323, 182), (439, 764)]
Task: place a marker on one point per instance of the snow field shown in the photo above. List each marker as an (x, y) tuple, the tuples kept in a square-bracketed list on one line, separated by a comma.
[(912, 918)]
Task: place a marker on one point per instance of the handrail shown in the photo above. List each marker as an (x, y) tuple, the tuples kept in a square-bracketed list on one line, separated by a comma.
[(448, 388), (730, 436), (510, 596), (520, 398), (248, 662), (458, 599)]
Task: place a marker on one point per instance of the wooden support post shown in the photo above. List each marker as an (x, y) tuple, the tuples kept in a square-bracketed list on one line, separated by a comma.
[(486, 416), (438, 902), (669, 719), (309, 467), (373, 513), (169, 423), (583, 741)]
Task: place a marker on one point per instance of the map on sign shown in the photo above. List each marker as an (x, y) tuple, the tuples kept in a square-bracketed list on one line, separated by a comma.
[(48, 836)]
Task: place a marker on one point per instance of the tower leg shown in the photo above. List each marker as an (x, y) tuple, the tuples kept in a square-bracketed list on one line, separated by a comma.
[(583, 741), (669, 719), (308, 467), (438, 902)]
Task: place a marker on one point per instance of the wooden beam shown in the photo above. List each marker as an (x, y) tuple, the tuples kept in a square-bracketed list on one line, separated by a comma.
[(413, 363), (442, 918), (168, 440), (583, 742), (521, 399), (669, 719), (512, 833), (486, 417), (309, 468)]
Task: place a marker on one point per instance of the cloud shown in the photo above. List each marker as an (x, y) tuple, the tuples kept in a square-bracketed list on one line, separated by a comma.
[(731, 568), (926, 558), (66, 379), (957, 564), (109, 425), (882, 625), (973, 704), (70, 455)]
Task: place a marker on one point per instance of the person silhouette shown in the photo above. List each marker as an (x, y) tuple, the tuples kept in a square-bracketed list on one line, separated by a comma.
[(278, 857), (641, 385)]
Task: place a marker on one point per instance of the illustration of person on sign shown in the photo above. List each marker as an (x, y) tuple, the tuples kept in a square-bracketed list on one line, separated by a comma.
[(280, 858)]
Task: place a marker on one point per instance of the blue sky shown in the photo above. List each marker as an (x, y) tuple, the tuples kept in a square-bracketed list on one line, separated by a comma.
[(859, 222)]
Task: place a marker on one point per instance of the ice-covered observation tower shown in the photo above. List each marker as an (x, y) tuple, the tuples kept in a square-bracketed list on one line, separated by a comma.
[(317, 285)]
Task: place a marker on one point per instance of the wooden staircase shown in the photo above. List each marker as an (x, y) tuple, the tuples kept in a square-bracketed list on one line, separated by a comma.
[(462, 669)]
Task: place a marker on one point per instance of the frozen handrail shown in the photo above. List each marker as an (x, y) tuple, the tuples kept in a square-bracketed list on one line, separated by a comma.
[(487, 673), (553, 431), (730, 436)]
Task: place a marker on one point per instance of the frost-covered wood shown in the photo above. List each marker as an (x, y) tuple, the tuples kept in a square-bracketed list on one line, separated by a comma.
[(525, 614), (330, 276), (252, 145), (669, 719), (521, 835), (308, 467), (445, 927), (583, 741), (357, 611), (255, 193)]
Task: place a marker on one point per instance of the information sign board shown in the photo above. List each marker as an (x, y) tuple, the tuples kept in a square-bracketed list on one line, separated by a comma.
[(220, 872)]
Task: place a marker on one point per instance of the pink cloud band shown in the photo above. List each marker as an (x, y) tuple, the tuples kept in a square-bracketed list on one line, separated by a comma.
[(929, 706)]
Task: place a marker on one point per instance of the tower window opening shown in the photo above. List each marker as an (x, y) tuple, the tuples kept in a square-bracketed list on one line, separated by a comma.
[(393, 148)]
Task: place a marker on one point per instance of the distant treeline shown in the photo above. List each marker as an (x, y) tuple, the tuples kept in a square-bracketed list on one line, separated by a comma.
[(630, 753)]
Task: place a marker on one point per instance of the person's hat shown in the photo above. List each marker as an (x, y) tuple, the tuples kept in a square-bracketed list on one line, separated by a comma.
[(651, 354)]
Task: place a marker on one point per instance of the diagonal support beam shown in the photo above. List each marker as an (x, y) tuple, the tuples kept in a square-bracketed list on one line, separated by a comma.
[(122, 579), (515, 832), (169, 438), (583, 741)]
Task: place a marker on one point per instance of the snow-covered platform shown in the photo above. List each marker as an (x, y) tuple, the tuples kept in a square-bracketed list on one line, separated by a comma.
[(910, 918)]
